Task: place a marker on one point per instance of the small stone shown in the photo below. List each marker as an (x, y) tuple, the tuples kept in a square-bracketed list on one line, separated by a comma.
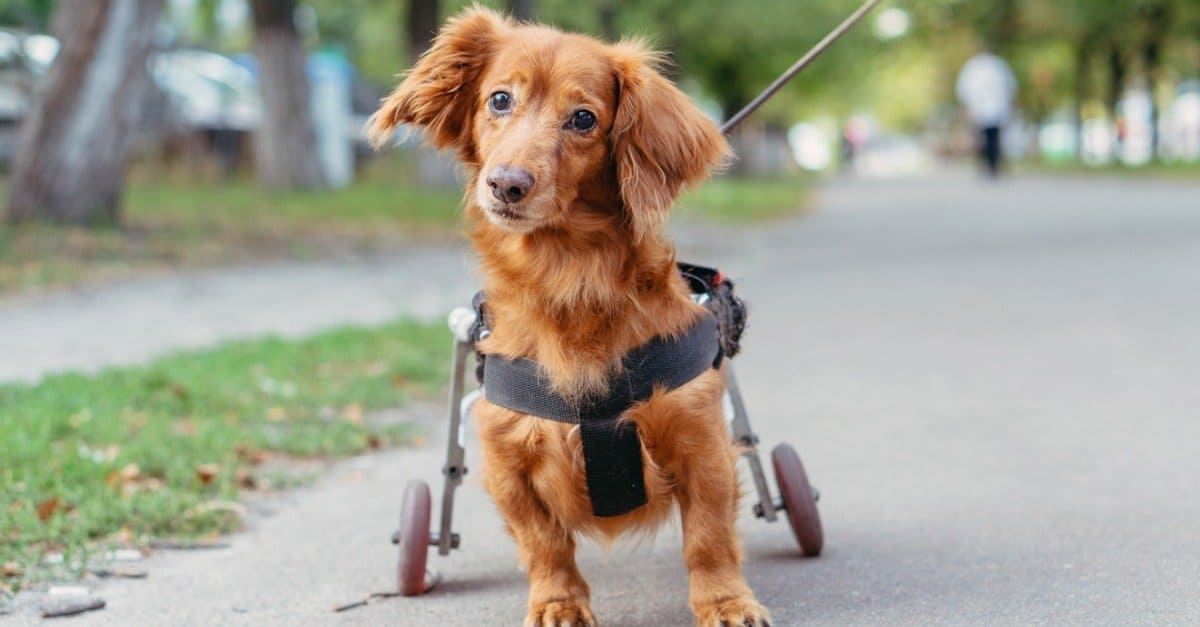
[(70, 605)]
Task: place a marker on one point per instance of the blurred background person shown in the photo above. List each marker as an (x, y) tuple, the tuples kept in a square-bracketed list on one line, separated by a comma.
[(986, 88)]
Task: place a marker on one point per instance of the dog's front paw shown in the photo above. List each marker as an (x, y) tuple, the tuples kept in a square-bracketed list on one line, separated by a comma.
[(738, 612), (561, 614)]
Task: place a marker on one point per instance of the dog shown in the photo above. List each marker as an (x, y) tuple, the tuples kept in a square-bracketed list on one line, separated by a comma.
[(576, 151)]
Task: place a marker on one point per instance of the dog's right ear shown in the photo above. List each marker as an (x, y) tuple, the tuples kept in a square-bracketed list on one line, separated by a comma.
[(440, 93)]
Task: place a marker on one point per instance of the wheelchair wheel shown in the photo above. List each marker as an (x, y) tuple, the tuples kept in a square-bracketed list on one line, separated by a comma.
[(414, 538), (798, 500)]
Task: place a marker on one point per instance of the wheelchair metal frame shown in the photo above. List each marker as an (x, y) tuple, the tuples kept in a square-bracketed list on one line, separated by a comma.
[(460, 322)]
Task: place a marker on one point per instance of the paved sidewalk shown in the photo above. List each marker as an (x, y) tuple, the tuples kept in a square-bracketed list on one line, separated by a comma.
[(134, 321), (994, 388)]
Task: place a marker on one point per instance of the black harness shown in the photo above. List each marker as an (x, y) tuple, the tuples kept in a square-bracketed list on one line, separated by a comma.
[(612, 450)]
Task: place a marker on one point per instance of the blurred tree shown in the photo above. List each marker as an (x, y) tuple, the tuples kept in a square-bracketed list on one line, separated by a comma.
[(521, 9), (207, 24), (422, 25), (1155, 18), (32, 15), (286, 155), (74, 143)]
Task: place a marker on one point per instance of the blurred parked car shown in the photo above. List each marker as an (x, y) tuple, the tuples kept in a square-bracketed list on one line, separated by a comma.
[(202, 102), (23, 59), (209, 90)]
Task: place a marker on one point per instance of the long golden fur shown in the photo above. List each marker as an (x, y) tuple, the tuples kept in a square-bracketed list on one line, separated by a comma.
[(578, 272)]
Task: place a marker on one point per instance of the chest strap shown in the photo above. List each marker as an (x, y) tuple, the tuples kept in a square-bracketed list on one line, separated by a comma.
[(612, 451)]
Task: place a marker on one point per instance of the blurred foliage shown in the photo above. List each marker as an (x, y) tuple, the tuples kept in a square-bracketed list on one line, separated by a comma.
[(1064, 52), (32, 15)]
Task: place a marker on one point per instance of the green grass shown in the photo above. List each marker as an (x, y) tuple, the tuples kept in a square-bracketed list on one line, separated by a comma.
[(1157, 170), (175, 221), (737, 201), (131, 454)]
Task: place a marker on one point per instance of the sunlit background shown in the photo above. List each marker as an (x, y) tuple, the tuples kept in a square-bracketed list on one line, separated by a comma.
[(1101, 83)]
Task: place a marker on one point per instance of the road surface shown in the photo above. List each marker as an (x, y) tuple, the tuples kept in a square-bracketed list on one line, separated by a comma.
[(994, 387)]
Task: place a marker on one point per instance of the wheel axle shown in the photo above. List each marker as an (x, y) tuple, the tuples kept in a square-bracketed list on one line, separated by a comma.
[(435, 539)]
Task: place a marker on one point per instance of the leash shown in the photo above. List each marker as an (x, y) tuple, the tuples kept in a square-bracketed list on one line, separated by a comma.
[(804, 61)]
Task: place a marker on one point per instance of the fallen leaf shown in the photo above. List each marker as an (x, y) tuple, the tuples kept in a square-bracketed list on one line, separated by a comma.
[(207, 472), (124, 536), (131, 472), (353, 413), (179, 390), (374, 441), (245, 478), (128, 480), (276, 414), (46, 508), (252, 455), (11, 569)]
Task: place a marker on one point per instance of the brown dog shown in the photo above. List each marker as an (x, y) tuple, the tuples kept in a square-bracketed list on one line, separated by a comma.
[(577, 149)]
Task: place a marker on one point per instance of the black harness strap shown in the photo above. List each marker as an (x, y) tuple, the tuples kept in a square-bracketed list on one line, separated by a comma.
[(612, 451)]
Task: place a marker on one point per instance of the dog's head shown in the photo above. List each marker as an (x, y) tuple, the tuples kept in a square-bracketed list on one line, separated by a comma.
[(552, 121)]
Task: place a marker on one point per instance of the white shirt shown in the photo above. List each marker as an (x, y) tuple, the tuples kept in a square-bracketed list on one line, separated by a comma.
[(986, 87)]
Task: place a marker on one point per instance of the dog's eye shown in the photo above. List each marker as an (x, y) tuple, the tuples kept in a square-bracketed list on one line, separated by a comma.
[(500, 102), (582, 120)]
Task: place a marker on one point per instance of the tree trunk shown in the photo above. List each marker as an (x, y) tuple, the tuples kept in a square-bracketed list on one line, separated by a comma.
[(75, 140), (287, 156), (1151, 59), (1158, 20), (1082, 67), (422, 25), (1005, 26), (1116, 79), (521, 9), (608, 20)]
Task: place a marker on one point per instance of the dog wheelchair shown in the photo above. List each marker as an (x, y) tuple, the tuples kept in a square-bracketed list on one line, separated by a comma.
[(797, 499)]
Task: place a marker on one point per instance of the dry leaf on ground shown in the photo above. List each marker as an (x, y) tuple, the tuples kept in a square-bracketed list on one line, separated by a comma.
[(207, 472), (47, 508)]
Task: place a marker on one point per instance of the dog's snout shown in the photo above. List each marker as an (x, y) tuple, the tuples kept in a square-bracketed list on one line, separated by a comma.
[(510, 184)]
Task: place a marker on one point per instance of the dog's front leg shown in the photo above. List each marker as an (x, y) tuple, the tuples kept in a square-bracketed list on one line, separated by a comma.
[(558, 594), (708, 497)]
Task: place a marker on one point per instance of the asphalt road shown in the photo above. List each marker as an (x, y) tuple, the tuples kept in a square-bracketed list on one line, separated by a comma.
[(994, 387)]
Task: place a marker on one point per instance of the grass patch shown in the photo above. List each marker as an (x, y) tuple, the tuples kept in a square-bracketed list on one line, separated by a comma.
[(171, 224), (1158, 170), (131, 454), (738, 201)]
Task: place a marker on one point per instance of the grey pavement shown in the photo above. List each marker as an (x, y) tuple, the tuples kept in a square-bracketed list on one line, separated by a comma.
[(136, 320), (994, 388)]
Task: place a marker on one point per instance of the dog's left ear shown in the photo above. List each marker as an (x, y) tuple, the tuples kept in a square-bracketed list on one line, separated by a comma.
[(660, 140), (440, 93)]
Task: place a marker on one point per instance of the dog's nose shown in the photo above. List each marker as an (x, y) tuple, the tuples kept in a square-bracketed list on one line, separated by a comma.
[(510, 184)]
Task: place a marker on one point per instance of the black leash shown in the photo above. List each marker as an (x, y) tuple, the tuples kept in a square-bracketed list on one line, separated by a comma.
[(804, 61)]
